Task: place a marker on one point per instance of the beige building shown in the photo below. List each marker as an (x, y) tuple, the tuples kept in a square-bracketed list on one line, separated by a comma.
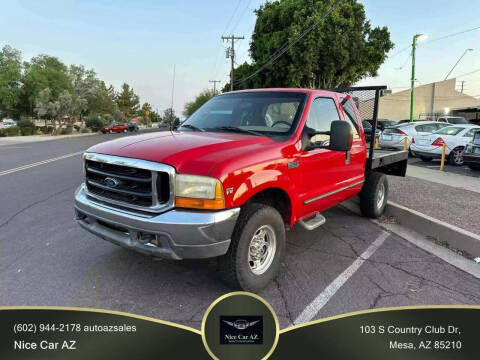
[(436, 98)]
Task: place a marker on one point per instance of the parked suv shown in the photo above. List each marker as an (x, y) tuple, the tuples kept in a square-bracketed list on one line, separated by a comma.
[(229, 182), (453, 120)]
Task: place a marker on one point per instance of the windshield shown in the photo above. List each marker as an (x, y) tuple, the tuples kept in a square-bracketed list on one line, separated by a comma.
[(457, 120), (264, 113), (449, 130)]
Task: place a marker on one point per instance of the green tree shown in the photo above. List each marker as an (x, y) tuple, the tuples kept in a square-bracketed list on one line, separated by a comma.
[(128, 102), (340, 51), (202, 98), (169, 116), (42, 72), (10, 80), (146, 113)]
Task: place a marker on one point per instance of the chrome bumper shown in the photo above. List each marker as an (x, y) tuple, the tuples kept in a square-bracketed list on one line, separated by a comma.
[(175, 234)]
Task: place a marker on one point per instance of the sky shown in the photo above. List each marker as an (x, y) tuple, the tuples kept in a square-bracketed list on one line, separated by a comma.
[(140, 42)]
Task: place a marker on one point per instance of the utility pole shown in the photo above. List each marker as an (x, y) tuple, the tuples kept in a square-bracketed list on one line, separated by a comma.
[(214, 83), (231, 52), (412, 85)]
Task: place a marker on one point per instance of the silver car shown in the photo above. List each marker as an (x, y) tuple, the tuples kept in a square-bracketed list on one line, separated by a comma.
[(393, 137)]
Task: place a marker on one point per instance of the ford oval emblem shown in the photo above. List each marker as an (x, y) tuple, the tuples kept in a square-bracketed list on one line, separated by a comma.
[(111, 182)]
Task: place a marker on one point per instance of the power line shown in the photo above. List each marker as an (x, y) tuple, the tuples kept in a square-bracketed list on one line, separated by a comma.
[(287, 46)]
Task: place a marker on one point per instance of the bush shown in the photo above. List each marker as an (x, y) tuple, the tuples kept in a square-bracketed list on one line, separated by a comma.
[(84, 130), (47, 129), (13, 131), (10, 131), (94, 123), (67, 131), (26, 127), (76, 127)]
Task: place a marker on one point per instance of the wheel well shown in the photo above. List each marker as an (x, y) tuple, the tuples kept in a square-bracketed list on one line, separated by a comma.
[(276, 198)]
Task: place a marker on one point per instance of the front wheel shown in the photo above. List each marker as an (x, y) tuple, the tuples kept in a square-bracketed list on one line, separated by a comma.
[(374, 195), (256, 249)]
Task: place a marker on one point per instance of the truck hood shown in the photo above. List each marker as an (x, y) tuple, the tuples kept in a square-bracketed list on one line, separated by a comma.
[(189, 152)]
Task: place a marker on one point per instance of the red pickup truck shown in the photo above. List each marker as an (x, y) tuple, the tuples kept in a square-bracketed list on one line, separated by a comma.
[(235, 176)]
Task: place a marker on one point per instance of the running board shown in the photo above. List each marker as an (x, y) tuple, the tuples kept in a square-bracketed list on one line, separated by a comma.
[(313, 222)]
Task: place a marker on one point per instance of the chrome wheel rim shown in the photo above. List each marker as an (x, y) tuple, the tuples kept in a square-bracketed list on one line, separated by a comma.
[(261, 251), (457, 157), (381, 195)]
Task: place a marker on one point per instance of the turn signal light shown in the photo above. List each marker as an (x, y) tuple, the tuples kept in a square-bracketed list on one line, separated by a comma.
[(206, 204), (438, 142)]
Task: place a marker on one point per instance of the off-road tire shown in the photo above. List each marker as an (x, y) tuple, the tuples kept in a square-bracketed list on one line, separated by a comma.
[(370, 195), (233, 267)]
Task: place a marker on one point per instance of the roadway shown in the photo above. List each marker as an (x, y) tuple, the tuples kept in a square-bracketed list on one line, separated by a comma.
[(348, 264)]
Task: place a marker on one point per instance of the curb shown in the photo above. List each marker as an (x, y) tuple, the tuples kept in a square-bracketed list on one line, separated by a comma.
[(428, 226)]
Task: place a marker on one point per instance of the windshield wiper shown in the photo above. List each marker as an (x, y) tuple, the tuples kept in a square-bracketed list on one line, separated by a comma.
[(237, 129), (193, 127)]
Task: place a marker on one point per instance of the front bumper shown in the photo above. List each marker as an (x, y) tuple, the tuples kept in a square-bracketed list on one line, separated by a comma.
[(175, 234)]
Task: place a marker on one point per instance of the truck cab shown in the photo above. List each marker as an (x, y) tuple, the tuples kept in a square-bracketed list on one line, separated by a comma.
[(233, 178)]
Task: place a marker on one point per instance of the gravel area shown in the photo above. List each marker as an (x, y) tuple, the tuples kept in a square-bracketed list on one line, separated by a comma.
[(455, 206)]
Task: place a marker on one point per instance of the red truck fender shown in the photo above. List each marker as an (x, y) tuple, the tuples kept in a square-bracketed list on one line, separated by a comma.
[(270, 179)]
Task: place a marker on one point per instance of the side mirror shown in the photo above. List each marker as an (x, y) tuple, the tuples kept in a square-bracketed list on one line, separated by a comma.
[(341, 136)]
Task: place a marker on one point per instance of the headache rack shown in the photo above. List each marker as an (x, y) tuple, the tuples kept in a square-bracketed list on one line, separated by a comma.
[(366, 99)]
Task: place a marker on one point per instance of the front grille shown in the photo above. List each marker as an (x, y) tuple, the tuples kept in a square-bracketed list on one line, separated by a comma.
[(130, 186)]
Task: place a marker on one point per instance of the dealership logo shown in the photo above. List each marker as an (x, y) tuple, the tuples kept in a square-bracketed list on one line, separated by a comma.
[(111, 182), (241, 330)]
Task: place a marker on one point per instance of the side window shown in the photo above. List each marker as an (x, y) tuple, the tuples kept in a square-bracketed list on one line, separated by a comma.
[(322, 112), (470, 133), (351, 118), (419, 128)]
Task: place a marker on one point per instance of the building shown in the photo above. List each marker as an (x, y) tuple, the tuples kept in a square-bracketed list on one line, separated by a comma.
[(430, 100)]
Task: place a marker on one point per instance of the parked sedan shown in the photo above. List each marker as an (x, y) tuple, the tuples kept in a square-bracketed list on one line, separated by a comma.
[(393, 137), (455, 138), (471, 154), (115, 128)]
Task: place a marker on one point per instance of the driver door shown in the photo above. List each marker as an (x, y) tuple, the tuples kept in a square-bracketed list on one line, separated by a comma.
[(323, 170)]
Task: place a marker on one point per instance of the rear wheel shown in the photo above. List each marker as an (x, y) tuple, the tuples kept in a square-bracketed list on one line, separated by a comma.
[(374, 195), (256, 249), (426, 159), (456, 157)]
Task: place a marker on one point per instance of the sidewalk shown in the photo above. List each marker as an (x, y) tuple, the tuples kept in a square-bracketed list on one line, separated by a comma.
[(13, 140), (452, 198)]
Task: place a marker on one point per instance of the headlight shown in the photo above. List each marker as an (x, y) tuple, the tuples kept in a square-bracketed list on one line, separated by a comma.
[(198, 192)]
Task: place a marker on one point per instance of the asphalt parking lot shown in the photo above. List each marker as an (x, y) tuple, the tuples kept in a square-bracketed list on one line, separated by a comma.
[(435, 165), (348, 264)]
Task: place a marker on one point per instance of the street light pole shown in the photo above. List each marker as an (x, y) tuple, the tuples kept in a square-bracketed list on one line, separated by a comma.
[(412, 84)]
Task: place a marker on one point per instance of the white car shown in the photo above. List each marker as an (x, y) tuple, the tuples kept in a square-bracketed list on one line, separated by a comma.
[(392, 137), (8, 123), (455, 137)]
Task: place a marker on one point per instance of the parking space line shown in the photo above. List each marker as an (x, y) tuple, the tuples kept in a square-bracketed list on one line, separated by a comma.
[(24, 167), (319, 302)]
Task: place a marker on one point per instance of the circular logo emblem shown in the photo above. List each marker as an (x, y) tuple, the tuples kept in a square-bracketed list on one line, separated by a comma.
[(240, 325), (111, 182)]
